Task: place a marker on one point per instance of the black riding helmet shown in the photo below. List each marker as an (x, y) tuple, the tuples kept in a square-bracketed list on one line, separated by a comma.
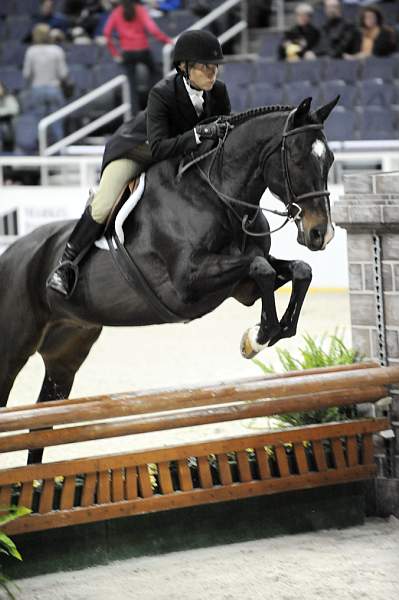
[(197, 46)]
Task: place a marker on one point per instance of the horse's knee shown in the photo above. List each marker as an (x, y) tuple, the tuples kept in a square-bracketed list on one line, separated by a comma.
[(301, 271), (261, 268)]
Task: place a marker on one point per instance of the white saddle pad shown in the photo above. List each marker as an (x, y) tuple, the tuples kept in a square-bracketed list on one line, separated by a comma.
[(124, 213)]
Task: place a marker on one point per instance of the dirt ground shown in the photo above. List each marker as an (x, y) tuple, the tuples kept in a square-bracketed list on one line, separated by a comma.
[(356, 563)]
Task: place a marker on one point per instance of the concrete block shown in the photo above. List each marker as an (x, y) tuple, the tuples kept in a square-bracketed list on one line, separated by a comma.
[(395, 269), (358, 183), (390, 214), (361, 341), (387, 183), (392, 340), (360, 247), (390, 246), (356, 277), (340, 213), (365, 214), (391, 304), (363, 310)]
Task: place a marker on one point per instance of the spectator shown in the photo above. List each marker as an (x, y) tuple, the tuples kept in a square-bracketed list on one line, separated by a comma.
[(338, 37), (45, 69), (48, 16), (9, 109), (88, 17), (132, 23), (376, 39), (299, 41)]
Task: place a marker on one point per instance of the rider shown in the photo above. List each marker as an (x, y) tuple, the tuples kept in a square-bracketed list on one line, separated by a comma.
[(169, 127)]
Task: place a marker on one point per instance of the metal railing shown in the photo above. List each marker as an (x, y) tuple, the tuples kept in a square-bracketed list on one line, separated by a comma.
[(117, 82), (349, 156), (236, 29)]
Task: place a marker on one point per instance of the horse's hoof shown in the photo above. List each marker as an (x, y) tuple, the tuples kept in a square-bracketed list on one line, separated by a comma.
[(249, 346)]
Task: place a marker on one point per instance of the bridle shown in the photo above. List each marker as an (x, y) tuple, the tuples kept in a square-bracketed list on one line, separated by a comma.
[(293, 200)]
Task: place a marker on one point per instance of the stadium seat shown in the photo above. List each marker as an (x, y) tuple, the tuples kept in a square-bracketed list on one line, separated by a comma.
[(12, 53), (12, 78), (378, 68), (296, 91), (376, 92), (341, 124), (263, 94), (103, 73), (239, 74), (82, 54), (81, 78), (271, 72), (18, 28), (346, 91), (22, 7), (377, 123), (25, 128), (305, 70), (270, 44), (347, 70), (239, 98)]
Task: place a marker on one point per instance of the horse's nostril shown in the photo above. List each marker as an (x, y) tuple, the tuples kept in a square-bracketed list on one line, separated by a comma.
[(316, 234)]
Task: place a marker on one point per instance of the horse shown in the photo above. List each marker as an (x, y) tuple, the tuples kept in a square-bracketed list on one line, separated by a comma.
[(199, 238)]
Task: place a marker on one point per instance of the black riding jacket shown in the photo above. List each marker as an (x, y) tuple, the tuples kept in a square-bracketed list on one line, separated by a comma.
[(166, 127)]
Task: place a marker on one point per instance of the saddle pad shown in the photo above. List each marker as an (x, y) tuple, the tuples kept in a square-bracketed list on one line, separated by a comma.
[(124, 213)]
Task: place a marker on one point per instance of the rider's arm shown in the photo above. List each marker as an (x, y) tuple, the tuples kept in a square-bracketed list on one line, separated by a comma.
[(158, 131)]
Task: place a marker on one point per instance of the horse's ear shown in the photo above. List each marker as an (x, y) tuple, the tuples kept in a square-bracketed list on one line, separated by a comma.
[(301, 112), (323, 112)]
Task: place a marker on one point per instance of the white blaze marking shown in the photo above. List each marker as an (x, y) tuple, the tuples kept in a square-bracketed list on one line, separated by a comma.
[(318, 149)]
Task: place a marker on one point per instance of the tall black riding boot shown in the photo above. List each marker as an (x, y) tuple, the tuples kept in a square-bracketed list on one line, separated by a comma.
[(86, 231)]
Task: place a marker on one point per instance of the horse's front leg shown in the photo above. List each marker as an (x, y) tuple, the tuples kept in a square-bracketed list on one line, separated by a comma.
[(213, 272), (300, 273), (260, 336)]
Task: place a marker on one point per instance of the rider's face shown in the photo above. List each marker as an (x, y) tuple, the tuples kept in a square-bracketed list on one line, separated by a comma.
[(203, 76)]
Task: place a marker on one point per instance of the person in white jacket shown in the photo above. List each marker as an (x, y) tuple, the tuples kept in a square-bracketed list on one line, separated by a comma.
[(45, 68)]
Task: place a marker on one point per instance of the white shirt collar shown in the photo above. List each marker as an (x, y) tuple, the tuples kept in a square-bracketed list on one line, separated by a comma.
[(191, 91)]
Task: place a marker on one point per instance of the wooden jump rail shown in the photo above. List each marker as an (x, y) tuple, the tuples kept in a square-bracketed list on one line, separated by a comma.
[(94, 489)]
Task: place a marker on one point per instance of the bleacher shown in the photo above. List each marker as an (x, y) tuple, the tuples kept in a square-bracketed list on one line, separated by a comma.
[(369, 90)]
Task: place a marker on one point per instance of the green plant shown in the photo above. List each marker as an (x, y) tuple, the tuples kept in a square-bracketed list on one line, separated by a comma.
[(7, 546), (315, 353)]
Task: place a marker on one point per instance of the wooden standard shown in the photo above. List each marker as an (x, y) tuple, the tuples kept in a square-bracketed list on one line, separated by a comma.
[(93, 489)]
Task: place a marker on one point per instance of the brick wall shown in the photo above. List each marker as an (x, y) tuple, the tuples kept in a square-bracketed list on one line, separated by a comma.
[(369, 211)]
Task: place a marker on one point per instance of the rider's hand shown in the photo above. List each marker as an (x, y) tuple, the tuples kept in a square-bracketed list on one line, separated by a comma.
[(211, 131), (118, 59)]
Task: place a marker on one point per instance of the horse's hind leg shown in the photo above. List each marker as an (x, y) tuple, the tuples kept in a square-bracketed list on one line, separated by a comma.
[(63, 349), (19, 338)]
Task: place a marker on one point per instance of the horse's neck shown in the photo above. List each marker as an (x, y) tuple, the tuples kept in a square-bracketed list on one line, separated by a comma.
[(240, 174)]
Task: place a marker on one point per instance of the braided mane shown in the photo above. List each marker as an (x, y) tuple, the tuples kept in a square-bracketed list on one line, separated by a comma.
[(242, 117)]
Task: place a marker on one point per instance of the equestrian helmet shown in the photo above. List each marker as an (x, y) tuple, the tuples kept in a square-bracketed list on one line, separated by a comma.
[(197, 46)]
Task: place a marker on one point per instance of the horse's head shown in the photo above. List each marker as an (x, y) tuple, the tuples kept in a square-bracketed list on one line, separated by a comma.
[(298, 175)]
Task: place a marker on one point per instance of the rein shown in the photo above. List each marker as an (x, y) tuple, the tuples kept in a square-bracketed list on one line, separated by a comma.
[(293, 199)]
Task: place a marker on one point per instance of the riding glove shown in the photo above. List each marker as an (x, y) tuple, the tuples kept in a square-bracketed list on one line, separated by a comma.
[(211, 131)]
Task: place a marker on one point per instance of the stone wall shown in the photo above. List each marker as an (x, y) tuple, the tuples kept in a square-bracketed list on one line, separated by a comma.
[(369, 211)]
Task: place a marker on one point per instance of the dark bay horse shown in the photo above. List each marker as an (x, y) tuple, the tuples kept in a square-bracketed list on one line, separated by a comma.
[(187, 236)]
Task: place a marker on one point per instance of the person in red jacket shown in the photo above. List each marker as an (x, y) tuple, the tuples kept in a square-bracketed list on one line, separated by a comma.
[(132, 23)]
